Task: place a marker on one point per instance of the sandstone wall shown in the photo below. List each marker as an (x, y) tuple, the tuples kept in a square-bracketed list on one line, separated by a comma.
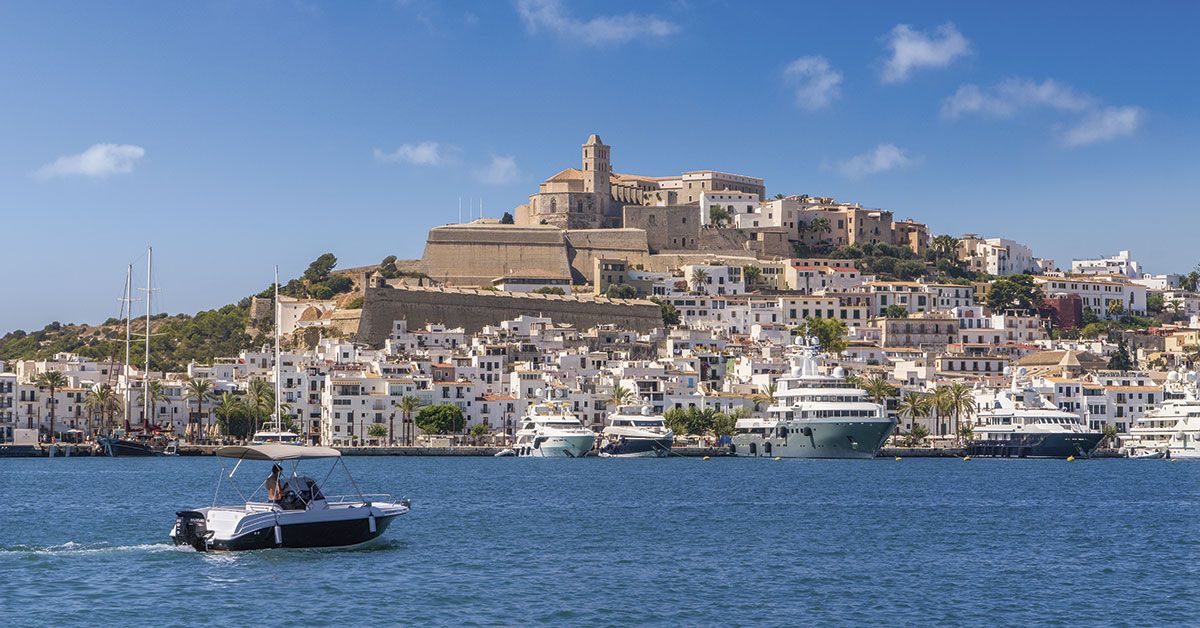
[(472, 309), (475, 254), (584, 246)]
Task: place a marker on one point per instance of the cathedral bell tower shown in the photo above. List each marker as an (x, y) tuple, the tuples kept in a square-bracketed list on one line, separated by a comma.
[(596, 171)]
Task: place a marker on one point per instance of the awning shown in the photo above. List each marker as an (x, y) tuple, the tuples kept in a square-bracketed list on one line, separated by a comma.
[(277, 452)]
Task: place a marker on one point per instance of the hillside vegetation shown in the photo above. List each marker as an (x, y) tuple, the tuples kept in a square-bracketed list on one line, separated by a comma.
[(176, 339)]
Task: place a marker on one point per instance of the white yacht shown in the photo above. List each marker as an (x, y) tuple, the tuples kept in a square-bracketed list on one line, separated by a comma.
[(1017, 422), (1167, 426), (550, 430), (815, 416), (634, 432)]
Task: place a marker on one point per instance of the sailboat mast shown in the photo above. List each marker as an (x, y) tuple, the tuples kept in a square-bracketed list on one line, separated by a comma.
[(128, 335), (146, 374), (278, 419)]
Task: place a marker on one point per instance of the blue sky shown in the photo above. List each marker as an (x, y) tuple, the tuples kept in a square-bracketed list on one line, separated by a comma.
[(238, 135)]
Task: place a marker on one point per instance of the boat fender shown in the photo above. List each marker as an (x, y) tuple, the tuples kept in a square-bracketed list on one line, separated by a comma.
[(777, 458), (966, 458), (371, 522), (278, 535), (899, 458), (1070, 458), (706, 457)]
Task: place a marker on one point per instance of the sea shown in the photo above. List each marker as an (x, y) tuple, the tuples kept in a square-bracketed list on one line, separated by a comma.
[(677, 541)]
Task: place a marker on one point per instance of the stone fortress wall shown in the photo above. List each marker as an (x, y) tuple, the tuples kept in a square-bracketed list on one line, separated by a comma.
[(471, 309)]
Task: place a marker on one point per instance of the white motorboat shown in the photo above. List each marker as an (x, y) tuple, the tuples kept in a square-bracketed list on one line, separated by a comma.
[(300, 516), (634, 432), (550, 430)]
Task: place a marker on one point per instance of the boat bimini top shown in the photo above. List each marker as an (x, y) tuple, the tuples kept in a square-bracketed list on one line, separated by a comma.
[(277, 452)]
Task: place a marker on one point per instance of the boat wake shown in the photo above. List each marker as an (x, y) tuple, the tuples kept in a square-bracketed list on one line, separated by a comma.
[(71, 548)]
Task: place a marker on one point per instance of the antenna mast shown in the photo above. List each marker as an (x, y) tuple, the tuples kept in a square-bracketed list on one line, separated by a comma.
[(146, 375), (278, 421)]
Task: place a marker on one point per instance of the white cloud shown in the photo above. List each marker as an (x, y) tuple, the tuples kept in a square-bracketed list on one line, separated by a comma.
[(502, 171), (1011, 96), (423, 154), (816, 83), (912, 50), (882, 158), (549, 15), (98, 161), (1097, 122), (1103, 125)]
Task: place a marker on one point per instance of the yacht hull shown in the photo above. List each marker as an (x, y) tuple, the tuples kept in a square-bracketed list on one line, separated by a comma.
[(128, 448), (1037, 446), (557, 447), (637, 447), (817, 439)]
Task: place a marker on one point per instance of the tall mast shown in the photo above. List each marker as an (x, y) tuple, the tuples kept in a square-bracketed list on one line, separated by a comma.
[(278, 420), (146, 375), (128, 335)]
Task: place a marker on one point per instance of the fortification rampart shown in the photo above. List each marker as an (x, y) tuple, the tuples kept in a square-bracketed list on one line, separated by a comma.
[(472, 309)]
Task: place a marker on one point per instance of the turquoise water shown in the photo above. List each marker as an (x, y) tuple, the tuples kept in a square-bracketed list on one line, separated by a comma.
[(673, 541)]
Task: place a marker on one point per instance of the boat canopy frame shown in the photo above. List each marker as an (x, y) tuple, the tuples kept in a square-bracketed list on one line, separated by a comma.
[(279, 453)]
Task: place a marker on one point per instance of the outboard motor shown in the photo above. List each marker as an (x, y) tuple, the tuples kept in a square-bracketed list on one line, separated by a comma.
[(191, 529)]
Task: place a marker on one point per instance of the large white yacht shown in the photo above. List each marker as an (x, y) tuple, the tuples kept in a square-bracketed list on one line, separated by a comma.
[(633, 431), (815, 416), (1017, 422), (1167, 426), (550, 430)]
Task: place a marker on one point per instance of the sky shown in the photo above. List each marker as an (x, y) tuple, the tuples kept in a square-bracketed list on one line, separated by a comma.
[(236, 136)]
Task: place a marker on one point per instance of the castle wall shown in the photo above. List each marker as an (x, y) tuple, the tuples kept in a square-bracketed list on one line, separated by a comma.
[(475, 254), (667, 227), (584, 246), (472, 309)]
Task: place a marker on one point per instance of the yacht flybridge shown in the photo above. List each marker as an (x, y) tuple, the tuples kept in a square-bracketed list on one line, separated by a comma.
[(297, 514), (633, 431)]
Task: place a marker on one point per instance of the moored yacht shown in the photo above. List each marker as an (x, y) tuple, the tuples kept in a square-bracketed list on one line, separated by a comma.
[(634, 432), (814, 416), (550, 430), (298, 515), (1154, 434), (1017, 422)]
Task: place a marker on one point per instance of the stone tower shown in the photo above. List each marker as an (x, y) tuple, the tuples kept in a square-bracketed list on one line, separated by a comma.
[(596, 168)]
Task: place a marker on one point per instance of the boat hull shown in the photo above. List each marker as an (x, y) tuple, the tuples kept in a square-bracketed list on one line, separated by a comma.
[(298, 534), (627, 447), (128, 448), (1061, 445), (817, 439), (557, 447)]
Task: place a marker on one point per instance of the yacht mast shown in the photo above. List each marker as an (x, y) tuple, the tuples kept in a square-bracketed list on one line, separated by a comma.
[(278, 419), (146, 375), (128, 336)]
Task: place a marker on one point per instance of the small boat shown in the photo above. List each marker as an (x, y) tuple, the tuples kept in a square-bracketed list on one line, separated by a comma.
[(1144, 454), (302, 516), (120, 445), (634, 432)]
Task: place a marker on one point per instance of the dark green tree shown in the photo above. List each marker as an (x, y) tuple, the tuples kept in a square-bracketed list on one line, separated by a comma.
[(829, 332), (895, 311), (443, 418), (1016, 292), (506, 219), (1121, 359), (621, 291)]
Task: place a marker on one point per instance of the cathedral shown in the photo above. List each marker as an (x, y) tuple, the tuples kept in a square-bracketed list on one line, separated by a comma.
[(589, 197)]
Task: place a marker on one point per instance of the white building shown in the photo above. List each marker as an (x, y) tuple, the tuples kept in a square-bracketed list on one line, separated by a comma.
[(1120, 264), (996, 256), (742, 207), (1099, 293)]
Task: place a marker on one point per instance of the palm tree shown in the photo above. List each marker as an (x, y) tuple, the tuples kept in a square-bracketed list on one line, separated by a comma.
[(962, 402), (156, 394), (699, 279), (199, 390), (945, 246), (228, 410), (751, 274), (621, 396), (260, 399), (879, 389), (941, 404), (408, 404), (819, 225), (913, 406), (766, 397), (102, 400), (53, 380)]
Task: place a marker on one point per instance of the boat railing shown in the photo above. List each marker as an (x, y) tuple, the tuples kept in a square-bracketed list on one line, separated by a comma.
[(356, 498)]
